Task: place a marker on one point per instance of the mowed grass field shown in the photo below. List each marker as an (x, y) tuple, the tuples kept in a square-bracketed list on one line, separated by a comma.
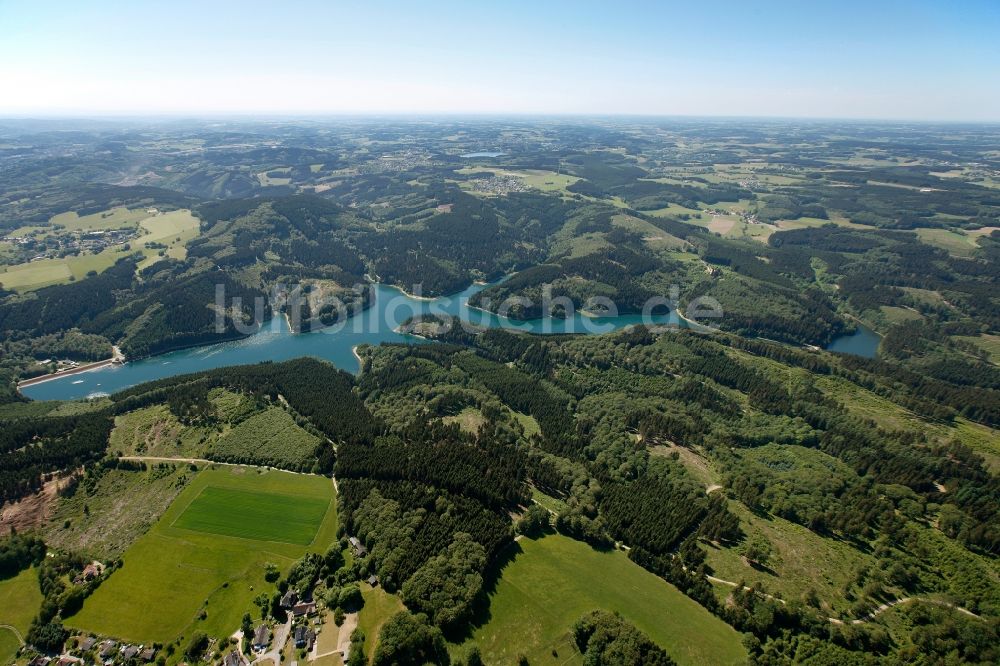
[(554, 580), (8, 645), (20, 599), (254, 515), (173, 572)]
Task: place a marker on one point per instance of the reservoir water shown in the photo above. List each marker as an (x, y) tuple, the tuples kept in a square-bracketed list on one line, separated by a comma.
[(486, 153), (863, 342), (276, 342), (391, 307)]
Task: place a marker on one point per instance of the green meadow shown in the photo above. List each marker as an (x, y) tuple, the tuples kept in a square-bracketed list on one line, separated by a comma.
[(987, 342), (552, 581), (24, 588), (952, 242), (202, 564), (115, 218), (8, 645), (254, 515), (379, 607)]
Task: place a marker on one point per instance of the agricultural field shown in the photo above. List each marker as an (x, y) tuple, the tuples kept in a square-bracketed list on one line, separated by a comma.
[(37, 274), (177, 580), (9, 645), (809, 222), (694, 216), (552, 581), (545, 181), (173, 229), (115, 218), (271, 438), (278, 176), (24, 588), (254, 515)]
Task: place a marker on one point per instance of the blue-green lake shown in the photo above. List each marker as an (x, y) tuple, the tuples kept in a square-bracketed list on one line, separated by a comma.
[(485, 153), (276, 342), (863, 342)]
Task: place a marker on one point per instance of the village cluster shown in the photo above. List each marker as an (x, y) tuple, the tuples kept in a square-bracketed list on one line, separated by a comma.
[(55, 245), (499, 185), (88, 651)]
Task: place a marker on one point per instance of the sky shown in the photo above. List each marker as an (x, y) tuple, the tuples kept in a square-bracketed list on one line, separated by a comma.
[(912, 60)]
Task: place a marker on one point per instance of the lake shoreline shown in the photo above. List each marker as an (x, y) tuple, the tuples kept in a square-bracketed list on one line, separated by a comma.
[(377, 323), (116, 358), (41, 379)]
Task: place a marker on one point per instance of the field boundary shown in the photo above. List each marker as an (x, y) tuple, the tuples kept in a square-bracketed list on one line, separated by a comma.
[(288, 496), (332, 503)]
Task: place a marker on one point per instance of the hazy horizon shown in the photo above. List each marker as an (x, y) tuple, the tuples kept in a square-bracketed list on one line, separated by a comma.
[(265, 117), (891, 61)]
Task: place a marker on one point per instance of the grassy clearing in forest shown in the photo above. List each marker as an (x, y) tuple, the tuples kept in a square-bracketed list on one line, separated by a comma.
[(379, 607), (551, 582)]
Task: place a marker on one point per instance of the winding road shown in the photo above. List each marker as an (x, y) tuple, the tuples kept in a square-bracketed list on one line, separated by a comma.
[(870, 616)]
